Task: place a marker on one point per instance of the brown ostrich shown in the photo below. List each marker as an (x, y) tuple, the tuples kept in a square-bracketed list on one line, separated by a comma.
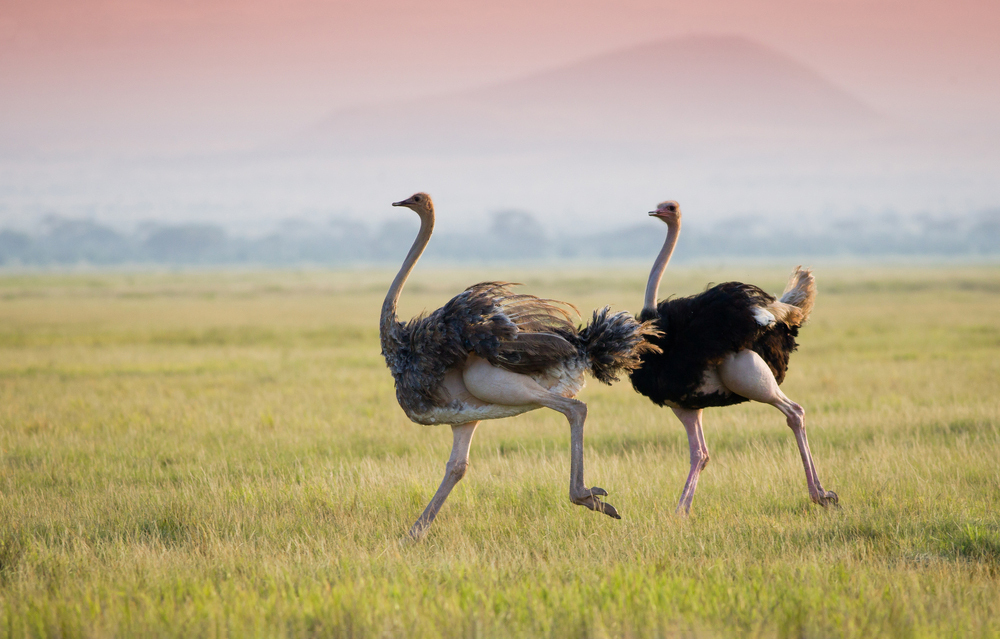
[(490, 353), (727, 345)]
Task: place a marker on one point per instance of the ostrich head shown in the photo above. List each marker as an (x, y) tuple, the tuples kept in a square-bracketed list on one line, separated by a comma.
[(420, 203), (669, 212)]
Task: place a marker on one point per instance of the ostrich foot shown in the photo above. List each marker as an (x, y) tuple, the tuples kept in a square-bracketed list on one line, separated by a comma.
[(418, 531), (589, 498), (826, 498)]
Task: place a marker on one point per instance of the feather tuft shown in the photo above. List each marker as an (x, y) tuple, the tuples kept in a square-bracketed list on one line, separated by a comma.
[(615, 343)]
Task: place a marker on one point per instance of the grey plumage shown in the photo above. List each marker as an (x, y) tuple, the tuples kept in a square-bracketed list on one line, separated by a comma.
[(615, 344), (521, 333), (490, 353)]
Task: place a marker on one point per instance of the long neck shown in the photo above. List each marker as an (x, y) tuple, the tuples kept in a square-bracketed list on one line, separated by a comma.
[(392, 297), (660, 265)]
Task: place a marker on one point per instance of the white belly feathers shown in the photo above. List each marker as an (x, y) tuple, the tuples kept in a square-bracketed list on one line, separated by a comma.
[(567, 380)]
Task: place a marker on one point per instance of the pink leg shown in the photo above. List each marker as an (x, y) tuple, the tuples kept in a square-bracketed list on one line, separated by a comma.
[(699, 455), (746, 374)]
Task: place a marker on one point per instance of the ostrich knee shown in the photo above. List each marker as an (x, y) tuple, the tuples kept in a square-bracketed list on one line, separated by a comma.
[(456, 470), (700, 457), (795, 416)]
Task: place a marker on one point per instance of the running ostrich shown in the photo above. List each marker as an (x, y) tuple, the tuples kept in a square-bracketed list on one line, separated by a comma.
[(725, 346), (489, 353)]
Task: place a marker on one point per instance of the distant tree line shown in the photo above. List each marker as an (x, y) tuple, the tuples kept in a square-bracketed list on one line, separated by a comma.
[(511, 235)]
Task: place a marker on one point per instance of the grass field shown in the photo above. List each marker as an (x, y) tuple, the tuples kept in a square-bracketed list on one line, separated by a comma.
[(221, 454)]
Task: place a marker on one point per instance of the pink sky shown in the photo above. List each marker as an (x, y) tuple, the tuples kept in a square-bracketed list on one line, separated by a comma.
[(217, 74)]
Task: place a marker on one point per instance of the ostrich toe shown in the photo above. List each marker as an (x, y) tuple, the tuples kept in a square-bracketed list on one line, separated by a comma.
[(826, 498), (590, 499)]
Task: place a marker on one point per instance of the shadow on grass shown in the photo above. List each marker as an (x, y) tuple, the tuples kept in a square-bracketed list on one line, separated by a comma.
[(974, 542)]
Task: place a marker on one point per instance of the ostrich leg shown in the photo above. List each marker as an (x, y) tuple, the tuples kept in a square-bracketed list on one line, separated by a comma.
[(454, 470), (498, 386), (746, 374), (699, 454), (576, 412)]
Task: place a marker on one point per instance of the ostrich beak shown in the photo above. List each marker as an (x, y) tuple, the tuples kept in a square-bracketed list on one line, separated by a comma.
[(400, 203)]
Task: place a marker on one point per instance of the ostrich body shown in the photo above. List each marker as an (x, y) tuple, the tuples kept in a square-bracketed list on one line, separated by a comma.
[(727, 345), (490, 353)]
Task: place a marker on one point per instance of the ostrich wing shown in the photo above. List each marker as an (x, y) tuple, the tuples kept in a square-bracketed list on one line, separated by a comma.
[(542, 328), (522, 333)]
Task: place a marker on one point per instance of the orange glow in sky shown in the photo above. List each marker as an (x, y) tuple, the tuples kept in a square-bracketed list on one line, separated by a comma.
[(235, 72)]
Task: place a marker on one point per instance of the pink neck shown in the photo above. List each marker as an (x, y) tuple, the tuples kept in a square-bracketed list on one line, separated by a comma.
[(660, 265)]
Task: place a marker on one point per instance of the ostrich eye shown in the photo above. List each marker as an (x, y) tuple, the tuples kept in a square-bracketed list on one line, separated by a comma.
[(416, 199)]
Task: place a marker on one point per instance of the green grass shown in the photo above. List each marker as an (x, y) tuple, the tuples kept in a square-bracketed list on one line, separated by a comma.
[(221, 454)]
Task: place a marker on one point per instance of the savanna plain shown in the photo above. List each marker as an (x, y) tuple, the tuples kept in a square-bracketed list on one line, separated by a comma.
[(220, 453)]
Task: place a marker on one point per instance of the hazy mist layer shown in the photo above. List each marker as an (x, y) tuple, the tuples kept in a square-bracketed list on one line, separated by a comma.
[(248, 115)]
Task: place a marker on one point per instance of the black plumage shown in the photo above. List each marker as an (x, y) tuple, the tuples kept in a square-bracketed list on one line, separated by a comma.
[(727, 345), (697, 332)]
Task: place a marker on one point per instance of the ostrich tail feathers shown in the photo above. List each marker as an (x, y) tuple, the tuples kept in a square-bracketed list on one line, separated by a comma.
[(614, 343), (797, 301)]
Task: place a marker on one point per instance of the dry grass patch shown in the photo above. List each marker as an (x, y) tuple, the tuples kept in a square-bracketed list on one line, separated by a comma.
[(220, 454)]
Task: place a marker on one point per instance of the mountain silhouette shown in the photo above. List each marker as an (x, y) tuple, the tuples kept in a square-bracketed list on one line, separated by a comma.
[(685, 89)]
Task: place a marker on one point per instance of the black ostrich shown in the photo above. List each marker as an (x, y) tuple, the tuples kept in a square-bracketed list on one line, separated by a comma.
[(490, 353), (725, 346)]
